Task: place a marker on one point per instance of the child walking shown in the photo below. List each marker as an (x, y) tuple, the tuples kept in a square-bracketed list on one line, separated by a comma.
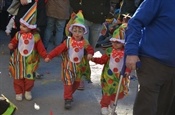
[(73, 64), (24, 61), (113, 60)]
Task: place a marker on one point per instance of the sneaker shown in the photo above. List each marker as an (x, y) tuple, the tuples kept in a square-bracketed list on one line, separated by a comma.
[(104, 111), (110, 108), (67, 104), (81, 87), (28, 95), (19, 97), (110, 111)]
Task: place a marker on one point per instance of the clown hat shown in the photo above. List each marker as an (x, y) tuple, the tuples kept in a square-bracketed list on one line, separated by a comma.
[(29, 19), (118, 34), (78, 21)]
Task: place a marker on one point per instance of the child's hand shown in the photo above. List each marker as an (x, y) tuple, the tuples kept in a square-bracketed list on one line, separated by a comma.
[(92, 59), (7, 33), (10, 46), (89, 56), (46, 59), (24, 2), (127, 74)]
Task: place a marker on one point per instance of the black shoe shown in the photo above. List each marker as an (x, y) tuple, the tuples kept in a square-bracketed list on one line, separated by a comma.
[(67, 104)]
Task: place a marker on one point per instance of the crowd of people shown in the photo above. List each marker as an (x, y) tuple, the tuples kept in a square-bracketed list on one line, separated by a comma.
[(139, 33)]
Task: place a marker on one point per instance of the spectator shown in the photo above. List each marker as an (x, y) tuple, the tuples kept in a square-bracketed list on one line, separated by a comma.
[(58, 12), (150, 39)]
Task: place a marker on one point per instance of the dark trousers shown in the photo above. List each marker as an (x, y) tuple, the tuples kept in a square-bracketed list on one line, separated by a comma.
[(156, 88), (172, 109), (3, 20)]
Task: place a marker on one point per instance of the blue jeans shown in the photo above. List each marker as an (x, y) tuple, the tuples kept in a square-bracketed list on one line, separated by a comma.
[(58, 26), (93, 32)]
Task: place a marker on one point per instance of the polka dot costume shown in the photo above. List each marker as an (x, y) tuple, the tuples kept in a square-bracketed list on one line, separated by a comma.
[(26, 44)]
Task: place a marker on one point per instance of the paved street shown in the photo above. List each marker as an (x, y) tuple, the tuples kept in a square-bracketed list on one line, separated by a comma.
[(48, 91)]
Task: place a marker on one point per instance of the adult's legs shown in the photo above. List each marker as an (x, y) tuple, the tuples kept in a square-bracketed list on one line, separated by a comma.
[(172, 110), (48, 31), (93, 32), (60, 24), (155, 80)]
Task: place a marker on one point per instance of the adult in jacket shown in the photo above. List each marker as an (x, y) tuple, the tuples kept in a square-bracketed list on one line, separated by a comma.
[(150, 40)]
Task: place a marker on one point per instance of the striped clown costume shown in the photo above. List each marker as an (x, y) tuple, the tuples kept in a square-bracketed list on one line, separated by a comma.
[(74, 63)]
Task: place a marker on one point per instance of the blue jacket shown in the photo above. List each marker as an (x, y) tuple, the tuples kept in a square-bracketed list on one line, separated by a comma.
[(151, 31)]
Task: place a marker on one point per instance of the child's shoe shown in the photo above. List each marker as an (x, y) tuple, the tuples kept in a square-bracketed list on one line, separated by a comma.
[(81, 86), (19, 97), (110, 107), (28, 95), (104, 111), (67, 104), (110, 111)]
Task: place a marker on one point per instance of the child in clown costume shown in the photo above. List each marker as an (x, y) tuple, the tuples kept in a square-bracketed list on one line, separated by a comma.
[(113, 60), (87, 69), (24, 61), (73, 64)]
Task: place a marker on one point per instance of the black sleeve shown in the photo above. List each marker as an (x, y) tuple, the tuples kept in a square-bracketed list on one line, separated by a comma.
[(22, 10)]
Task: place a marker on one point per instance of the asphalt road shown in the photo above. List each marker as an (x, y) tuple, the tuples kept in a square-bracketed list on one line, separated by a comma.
[(48, 91)]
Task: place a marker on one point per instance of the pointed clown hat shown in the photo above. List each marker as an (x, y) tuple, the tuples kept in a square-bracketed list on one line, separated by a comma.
[(29, 19), (118, 34), (78, 21)]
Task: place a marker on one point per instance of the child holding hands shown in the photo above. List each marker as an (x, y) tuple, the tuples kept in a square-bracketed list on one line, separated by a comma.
[(24, 61), (72, 51), (113, 62)]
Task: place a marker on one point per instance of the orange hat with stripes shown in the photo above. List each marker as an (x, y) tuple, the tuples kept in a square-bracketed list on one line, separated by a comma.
[(29, 19)]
